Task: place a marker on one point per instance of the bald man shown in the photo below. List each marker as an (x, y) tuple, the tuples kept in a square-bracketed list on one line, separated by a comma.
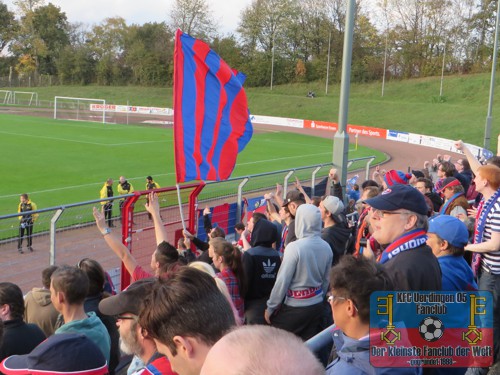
[(263, 350)]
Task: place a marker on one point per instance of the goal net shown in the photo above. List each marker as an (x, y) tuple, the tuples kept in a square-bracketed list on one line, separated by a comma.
[(79, 109)]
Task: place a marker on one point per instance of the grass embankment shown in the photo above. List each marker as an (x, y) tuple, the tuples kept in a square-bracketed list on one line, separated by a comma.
[(411, 105)]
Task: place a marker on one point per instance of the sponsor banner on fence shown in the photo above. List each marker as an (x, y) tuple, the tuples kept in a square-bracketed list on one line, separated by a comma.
[(436, 142), (132, 109), (431, 329), (277, 121), (320, 125), (394, 135), (367, 131)]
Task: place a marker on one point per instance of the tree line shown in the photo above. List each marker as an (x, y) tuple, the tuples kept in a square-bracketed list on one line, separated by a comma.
[(298, 40)]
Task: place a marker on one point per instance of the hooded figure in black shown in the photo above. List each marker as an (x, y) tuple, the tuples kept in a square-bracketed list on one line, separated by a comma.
[(261, 264)]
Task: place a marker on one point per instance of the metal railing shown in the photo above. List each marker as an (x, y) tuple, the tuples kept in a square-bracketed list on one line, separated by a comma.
[(67, 233)]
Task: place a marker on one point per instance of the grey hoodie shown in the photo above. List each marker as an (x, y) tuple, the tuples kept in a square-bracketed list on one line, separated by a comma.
[(306, 263)]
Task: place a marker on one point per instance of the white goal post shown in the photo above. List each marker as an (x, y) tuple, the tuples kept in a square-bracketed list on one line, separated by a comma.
[(80, 109), (7, 96), (32, 95)]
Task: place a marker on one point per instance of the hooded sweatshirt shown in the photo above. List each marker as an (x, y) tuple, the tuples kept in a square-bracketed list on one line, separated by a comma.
[(261, 262), (306, 263), (354, 358), (38, 309)]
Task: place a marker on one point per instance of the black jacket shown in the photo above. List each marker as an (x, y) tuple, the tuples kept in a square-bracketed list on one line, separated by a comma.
[(416, 269), (261, 262), (337, 237), (19, 338)]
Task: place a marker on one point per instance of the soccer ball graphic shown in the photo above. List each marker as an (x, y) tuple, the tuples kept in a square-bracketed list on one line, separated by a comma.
[(431, 328)]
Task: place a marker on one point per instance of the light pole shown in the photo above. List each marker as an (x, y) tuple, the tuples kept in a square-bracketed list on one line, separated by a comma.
[(328, 62), (341, 138), (442, 72), (489, 116), (385, 64), (272, 63)]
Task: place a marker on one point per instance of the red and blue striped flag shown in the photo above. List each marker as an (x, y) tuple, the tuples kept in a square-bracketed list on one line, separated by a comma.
[(211, 118)]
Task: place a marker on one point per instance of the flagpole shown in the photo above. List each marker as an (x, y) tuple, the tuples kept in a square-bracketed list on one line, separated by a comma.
[(180, 206)]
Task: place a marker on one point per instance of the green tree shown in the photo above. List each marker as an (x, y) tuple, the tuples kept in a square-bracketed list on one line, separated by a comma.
[(148, 51), (8, 26)]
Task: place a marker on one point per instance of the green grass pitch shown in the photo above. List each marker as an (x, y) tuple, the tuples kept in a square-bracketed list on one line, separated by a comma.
[(61, 162)]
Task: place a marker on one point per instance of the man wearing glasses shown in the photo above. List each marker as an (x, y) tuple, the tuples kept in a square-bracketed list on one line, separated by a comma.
[(399, 222), (125, 306), (352, 281)]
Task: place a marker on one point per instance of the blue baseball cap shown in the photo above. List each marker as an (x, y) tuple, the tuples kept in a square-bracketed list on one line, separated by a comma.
[(451, 229), (65, 353), (400, 197)]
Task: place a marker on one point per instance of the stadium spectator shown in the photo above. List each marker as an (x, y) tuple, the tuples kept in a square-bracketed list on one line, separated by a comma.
[(186, 256), (394, 177), (364, 230), (335, 227), (447, 237), (399, 222), (107, 206), (447, 169), (455, 202), (68, 288), (186, 315), (227, 259), (68, 353), (296, 301), (38, 308), (293, 200), (18, 337), (95, 274), (486, 247), (205, 267), (26, 221), (163, 260), (260, 350), (261, 264), (425, 186), (212, 231), (124, 187), (352, 281), (126, 306)]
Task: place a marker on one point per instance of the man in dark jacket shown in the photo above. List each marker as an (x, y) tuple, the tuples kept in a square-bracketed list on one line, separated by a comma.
[(335, 230), (399, 223), (18, 337), (261, 264)]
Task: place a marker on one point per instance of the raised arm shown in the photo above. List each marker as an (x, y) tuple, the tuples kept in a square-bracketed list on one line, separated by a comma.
[(299, 187), (114, 242), (474, 163), (153, 207)]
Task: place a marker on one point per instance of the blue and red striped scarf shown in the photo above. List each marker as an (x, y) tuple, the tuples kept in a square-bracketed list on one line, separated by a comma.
[(482, 213), (408, 241), (445, 206)]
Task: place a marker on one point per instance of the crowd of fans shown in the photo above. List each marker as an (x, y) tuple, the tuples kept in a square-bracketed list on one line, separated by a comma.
[(246, 307)]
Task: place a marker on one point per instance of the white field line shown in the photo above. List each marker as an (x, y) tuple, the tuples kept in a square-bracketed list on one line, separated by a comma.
[(84, 142), (158, 174)]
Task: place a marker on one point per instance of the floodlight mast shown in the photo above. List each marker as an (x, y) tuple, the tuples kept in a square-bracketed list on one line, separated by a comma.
[(341, 138), (489, 116)]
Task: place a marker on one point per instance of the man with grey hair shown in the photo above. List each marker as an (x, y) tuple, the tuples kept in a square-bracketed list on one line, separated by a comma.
[(399, 222), (126, 306), (260, 350)]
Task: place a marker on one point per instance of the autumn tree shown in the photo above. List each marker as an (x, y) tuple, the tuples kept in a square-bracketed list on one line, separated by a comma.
[(193, 17)]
